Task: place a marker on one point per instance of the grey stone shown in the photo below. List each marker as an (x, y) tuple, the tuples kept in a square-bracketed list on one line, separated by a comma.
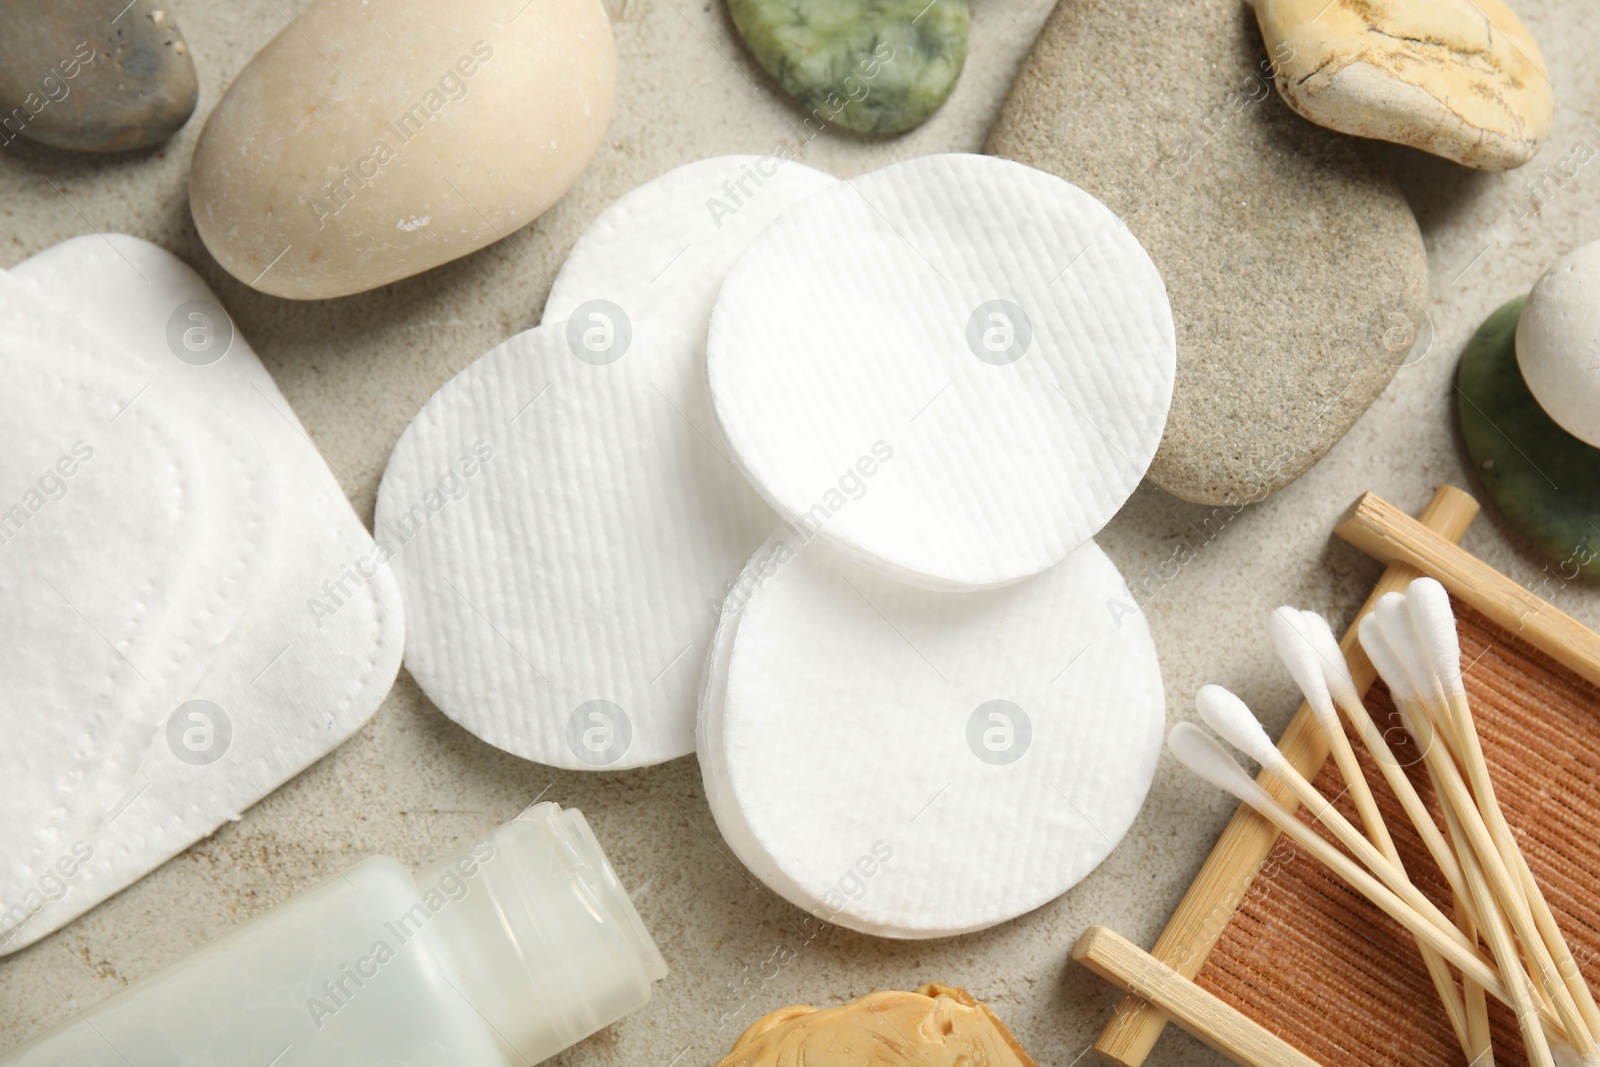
[(95, 75), (1295, 268)]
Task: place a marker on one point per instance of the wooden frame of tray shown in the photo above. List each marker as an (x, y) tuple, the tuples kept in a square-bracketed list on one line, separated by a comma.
[(1159, 984)]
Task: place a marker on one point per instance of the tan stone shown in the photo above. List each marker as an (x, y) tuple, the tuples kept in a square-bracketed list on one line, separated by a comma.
[(1462, 79), (369, 142)]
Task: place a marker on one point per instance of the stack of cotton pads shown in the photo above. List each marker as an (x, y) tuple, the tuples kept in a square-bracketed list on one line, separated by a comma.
[(930, 703), (197, 614), (562, 599)]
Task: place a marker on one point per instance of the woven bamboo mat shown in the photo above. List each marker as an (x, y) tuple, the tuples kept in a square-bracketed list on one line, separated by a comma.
[(1319, 965)]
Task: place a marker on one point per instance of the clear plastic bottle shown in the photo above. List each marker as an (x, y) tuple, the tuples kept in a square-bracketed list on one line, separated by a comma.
[(517, 949)]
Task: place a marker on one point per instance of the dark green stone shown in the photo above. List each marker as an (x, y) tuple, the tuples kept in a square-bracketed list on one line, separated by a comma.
[(875, 66), (1544, 481)]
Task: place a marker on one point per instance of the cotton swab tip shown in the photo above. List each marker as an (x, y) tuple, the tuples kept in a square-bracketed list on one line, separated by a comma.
[(1335, 668), (1299, 654), (1394, 619), (1237, 724), (1200, 752), (1434, 624), (1383, 657)]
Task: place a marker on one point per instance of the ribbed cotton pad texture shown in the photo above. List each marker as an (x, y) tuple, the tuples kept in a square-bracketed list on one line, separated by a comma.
[(661, 251), (997, 329), (567, 522), (913, 763)]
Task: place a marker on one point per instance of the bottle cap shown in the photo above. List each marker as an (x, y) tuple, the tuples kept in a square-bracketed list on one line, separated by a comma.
[(547, 947)]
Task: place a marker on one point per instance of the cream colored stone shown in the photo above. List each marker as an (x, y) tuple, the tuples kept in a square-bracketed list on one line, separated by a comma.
[(366, 143), (1462, 79), (1558, 342)]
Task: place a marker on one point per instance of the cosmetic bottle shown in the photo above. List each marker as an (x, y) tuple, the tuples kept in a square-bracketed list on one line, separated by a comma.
[(518, 948)]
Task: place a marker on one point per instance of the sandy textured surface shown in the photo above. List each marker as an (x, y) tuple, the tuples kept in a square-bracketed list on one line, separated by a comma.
[(413, 785)]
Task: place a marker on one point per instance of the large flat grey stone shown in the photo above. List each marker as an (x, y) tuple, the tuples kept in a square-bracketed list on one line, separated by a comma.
[(1296, 270)]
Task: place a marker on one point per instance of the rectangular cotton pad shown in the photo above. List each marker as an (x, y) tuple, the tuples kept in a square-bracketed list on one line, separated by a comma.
[(1319, 965)]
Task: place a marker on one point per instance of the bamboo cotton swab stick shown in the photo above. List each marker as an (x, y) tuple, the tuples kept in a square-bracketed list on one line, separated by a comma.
[(1521, 988), (1299, 653), (1392, 618), (1344, 692), (1433, 621), (1203, 755), (1403, 691), (1295, 635), (1230, 717), (1388, 630)]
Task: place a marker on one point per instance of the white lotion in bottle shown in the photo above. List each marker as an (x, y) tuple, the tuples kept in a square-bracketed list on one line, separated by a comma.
[(517, 949)]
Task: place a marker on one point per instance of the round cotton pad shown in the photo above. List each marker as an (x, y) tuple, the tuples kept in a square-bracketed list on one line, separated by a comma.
[(913, 763), (564, 523), (994, 329), (662, 250)]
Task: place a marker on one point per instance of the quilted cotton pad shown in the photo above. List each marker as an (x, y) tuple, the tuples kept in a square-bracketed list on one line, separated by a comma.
[(662, 250), (913, 763), (567, 522), (994, 328), (138, 524), (99, 513), (316, 647)]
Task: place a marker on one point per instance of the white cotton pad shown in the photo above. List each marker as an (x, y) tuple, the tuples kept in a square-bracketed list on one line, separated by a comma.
[(914, 763), (153, 557), (318, 641), (99, 512), (989, 340), (565, 529), (661, 251)]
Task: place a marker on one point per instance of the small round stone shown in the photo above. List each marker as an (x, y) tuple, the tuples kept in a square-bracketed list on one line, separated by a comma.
[(1558, 342), (1544, 481), (79, 74), (874, 66)]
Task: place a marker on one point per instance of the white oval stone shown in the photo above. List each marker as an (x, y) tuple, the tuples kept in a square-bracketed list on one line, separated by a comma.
[(366, 143), (1558, 342)]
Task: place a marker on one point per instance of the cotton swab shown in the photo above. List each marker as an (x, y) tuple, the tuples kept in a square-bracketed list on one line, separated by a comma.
[(1297, 636), (1203, 755), (1231, 717), (1421, 683), (1391, 617), (1478, 1047), (1300, 654), (1521, 988), (1433, 663), (1343, 688), (1433, 622)]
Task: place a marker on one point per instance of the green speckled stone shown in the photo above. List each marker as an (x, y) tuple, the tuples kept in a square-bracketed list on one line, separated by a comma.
[(1544, 481), (875, 66)]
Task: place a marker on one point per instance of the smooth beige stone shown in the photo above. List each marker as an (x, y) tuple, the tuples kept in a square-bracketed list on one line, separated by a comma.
[(1462, 79), (369, 142)]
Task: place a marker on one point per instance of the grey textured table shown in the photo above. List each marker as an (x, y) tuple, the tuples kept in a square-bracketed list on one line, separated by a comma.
[(413, 785)]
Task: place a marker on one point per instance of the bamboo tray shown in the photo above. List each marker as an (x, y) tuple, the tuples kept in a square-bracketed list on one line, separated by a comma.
[(1273, 961)]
